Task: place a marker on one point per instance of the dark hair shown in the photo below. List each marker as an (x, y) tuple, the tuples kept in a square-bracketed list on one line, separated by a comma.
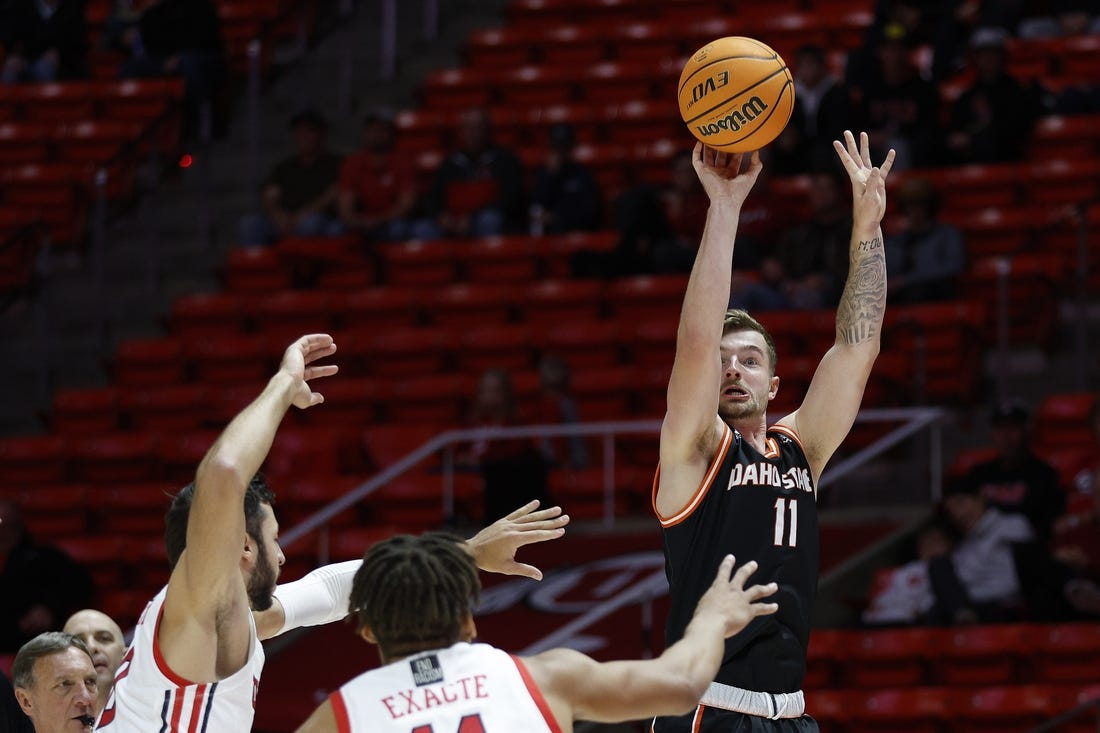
[(415, 592), (175, 521), (809, 50), (740, 320), (43, 645)]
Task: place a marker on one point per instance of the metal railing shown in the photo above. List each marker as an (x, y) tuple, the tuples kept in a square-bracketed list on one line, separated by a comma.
[(913, 421), (1055, 724)]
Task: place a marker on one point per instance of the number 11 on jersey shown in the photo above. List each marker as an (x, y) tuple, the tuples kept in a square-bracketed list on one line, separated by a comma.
[(781, 522)]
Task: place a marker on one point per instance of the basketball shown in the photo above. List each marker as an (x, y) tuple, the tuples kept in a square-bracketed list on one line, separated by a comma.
[(736, 94)]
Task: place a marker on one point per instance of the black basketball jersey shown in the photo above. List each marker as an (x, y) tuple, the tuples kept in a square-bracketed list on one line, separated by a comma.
[(758, 507)]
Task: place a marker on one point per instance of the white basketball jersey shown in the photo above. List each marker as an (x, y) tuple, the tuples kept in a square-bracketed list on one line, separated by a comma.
[(468, 688), (150, 697)]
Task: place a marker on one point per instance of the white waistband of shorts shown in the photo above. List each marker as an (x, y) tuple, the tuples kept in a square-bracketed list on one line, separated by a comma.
[(761, 704)]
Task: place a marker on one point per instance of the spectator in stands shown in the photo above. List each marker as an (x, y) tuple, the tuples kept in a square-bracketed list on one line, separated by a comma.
[(478, 189), (978, 580), (821, 105), (43, 40), (179, 38), (925, 258), (12, 719), (991, 121), (898, 108), (299, 198), (808, 267), (1062, 18), (55, 683), (105, 643), (39, 585), (512, 470), (378, 187), (557, 405), (566, 197), (1017, 481), (903, 595)]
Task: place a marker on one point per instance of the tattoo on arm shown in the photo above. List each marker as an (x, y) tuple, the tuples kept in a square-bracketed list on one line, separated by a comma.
[(863, 304)]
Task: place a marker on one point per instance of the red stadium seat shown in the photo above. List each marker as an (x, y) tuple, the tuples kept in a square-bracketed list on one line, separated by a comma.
[(419, 263), (573, 45), (500, 259), (1033, 282), (104, 555), (603, 394), (348, 401), (1002, 709), (506, 346), (618, 82), (590, 345), (944, 342), (32, 459), (41, 505), (500, 48), (386, 444), (135, 510), (556, 252), (581, 116), (826, 646), (644, 297), (148, 362), (179, 454), (55, 102), (457, 89), (642, 121), (115, 458), (1058, 182), (24, 142), (418, 129), (286, 315), (561, 301), (402, 352), (416, 499), (1062, 420), (208, 316), (528, 86), (175, 407), (436, 400), (833, 709), (1074, 137), (982, 655), (255, 270), (235, 360), (920, 710), (888, 658), (649, 341), (463, 305), (313, 451), (85, 411), (56, 193), (302, 495), (1069, 653), (376, 307), (966, 459), (650, 41), (353, 543)]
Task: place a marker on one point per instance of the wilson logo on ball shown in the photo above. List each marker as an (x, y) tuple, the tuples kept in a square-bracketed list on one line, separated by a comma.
[(735, 120)]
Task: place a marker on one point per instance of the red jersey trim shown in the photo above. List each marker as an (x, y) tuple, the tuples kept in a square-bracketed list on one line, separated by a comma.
[(697, 720), (536, 695), (340, 712), (196, 708), (158, 657), (701, 491)]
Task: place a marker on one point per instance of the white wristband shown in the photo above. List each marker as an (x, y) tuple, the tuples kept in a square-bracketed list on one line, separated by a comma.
[(320, 597)]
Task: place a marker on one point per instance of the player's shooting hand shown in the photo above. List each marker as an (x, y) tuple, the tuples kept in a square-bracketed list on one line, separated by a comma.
[(721, 174), (732, 601), (868, 181), (494, 548), (298, 362)]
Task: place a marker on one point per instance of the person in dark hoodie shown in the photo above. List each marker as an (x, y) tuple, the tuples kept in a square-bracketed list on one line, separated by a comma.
[(40, 586)]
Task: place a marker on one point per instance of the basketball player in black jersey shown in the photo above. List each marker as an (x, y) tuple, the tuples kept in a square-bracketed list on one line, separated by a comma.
[(729, 483)]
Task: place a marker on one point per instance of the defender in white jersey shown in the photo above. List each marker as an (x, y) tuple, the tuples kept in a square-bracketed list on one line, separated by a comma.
[(195, 662), (413, 597)]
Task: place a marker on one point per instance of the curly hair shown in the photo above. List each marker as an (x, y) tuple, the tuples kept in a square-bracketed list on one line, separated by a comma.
[(415, 592)]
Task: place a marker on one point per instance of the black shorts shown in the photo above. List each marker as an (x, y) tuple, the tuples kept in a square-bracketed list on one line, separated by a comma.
[(716, 720)]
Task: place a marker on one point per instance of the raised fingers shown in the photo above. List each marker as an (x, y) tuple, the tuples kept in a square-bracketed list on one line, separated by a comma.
[(865, 149), (315, 372), (526, 508), (888, 163), (756, 592), (851, 147), (743, 573)]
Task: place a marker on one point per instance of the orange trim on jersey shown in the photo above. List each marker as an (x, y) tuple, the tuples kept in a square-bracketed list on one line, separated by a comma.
[(162, 665), (340, 712), (697, 721), (701, 491), (789, 433), (536, 695), (771, 448)]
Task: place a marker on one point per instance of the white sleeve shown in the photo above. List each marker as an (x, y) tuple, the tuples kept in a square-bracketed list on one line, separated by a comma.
[(320, 597)]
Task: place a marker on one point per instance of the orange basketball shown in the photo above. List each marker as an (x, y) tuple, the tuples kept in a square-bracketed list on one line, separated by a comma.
[(736, 94)]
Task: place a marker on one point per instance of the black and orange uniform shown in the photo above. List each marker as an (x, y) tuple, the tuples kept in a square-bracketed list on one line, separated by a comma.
[(756, 506)]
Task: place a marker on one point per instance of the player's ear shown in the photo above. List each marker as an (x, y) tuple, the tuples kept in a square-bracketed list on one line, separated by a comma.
[(367, 635), (469, 629), (773, 389), (248, 552)]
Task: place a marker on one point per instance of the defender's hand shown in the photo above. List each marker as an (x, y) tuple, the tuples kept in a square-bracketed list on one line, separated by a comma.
[(868, 181), (297, 361), (494, 548), (729, 598)]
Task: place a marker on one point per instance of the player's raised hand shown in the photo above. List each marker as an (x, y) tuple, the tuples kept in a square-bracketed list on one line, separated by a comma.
[(721, 174), (298, 362), (732, 601), (494, 548), (868, 181)]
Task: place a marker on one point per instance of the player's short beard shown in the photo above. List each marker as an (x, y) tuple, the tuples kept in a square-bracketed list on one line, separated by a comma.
[(737, 410), (262, 581)]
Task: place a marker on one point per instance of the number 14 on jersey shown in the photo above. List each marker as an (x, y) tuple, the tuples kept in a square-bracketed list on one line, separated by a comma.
[(781, 506)]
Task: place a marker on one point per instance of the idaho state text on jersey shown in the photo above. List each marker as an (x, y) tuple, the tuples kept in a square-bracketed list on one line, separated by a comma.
[(763, 473)]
